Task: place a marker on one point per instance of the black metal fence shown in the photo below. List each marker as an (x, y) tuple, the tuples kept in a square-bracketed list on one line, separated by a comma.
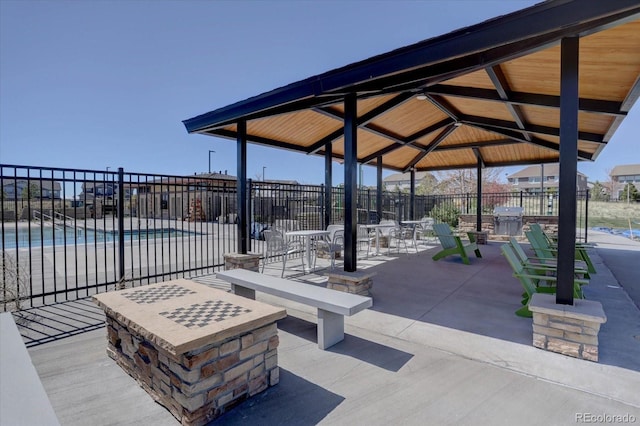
[(71, 233), (67, 234)]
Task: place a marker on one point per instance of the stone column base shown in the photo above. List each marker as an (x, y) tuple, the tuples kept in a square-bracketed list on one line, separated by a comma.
[(249, 261), (567, 329), (324, 254), (383, 241), (357, 282), (481, 236)]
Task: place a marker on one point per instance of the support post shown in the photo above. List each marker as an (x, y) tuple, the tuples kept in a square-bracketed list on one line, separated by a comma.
[(541, 189), (242, 186), (328, 182), (586, 217), (479, 194), (379, 188), (350, 181), (412, 194), (568, 168)]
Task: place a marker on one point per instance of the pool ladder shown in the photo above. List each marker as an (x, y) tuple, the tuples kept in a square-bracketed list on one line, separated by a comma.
[(63, 221)]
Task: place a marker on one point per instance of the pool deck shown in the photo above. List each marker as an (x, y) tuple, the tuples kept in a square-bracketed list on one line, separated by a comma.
[(441, 345)]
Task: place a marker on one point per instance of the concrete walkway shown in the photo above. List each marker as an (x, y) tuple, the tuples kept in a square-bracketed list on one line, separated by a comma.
[(440, 346)]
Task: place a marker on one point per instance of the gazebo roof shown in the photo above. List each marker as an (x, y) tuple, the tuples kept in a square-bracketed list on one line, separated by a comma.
[(487, 93)]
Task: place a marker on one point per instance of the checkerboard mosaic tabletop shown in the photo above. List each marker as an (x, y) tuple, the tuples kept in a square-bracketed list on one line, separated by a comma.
[(157, 294), (181, 314), (203, 314)]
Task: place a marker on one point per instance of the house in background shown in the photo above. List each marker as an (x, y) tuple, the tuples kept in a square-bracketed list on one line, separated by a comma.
[(17, 189), (402, 181), (623, 174), (205, 195), (531, 179)]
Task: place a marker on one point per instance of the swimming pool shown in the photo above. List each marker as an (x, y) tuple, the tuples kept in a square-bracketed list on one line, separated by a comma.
[(36, 236)]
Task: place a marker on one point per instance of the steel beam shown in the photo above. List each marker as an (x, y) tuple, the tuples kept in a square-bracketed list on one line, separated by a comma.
[(379, 189), (243, 212), (479, 190), (412, 194), (569, 49), (328, 184), (350, 181)]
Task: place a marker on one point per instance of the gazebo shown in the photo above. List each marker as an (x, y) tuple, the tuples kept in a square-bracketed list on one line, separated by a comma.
[(549, 83)]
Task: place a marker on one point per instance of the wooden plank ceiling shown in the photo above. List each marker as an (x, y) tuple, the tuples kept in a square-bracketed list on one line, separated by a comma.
[(502, 112)]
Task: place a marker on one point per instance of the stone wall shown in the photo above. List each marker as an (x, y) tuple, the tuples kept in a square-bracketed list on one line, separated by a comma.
[(248, 261), (467, 222), (202, 384)]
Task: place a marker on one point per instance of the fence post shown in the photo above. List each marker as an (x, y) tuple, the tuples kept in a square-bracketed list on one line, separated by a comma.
[(121, 223), (520, 198), (586, 216), (249, 224)]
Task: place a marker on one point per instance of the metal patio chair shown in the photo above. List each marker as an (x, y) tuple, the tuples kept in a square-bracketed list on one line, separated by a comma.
[(276, 245)]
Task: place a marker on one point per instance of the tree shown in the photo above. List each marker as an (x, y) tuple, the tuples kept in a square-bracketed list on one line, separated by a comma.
[(427, 186), (30, 191), (630, 193), (610, 185), (598, 192), (466, 180)]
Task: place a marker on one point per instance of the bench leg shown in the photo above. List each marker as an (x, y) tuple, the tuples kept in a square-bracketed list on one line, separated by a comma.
[(330, 328), (243, 291)]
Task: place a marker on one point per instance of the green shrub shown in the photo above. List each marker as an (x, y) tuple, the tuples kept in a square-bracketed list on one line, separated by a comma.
[(446, 213)]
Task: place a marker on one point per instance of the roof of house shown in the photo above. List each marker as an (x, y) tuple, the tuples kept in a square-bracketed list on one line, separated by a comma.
[(489, 94), (531, 171), (626, 169)]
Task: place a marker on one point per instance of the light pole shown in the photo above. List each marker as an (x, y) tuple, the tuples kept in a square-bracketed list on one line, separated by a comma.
[(210, 151), (263, 168)]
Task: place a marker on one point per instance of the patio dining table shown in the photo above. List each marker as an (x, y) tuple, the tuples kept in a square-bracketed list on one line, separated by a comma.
[(378, 228), (307, 234)]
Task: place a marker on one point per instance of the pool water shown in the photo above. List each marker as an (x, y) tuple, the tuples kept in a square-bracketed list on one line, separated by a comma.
[(49, 236)]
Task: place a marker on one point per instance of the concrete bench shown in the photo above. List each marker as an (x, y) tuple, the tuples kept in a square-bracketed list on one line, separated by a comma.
[(23, 400), (332, 305)]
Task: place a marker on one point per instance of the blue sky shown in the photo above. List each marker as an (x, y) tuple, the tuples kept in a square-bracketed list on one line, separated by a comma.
[(97, 84)]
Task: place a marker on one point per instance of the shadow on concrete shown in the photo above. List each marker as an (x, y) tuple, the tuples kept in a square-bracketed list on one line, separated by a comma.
[(294, 401), (54, 322), (482, 298), (364, 350)]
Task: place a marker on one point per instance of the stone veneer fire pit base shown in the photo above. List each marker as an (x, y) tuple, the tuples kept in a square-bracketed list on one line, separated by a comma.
[(196, 350)]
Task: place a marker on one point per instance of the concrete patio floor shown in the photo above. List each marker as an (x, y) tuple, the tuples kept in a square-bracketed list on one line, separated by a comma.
[(441, 345)]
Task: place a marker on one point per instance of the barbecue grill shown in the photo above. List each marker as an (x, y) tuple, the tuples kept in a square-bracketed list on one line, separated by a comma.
[(507, 220)]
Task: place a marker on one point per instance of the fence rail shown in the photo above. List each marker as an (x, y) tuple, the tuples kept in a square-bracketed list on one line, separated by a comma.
[(71, 233)]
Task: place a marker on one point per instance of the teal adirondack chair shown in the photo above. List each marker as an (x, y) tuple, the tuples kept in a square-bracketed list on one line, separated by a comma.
[(452, 244)]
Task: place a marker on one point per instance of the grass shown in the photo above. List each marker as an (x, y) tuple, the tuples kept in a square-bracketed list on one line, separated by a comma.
[(613, 214)]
